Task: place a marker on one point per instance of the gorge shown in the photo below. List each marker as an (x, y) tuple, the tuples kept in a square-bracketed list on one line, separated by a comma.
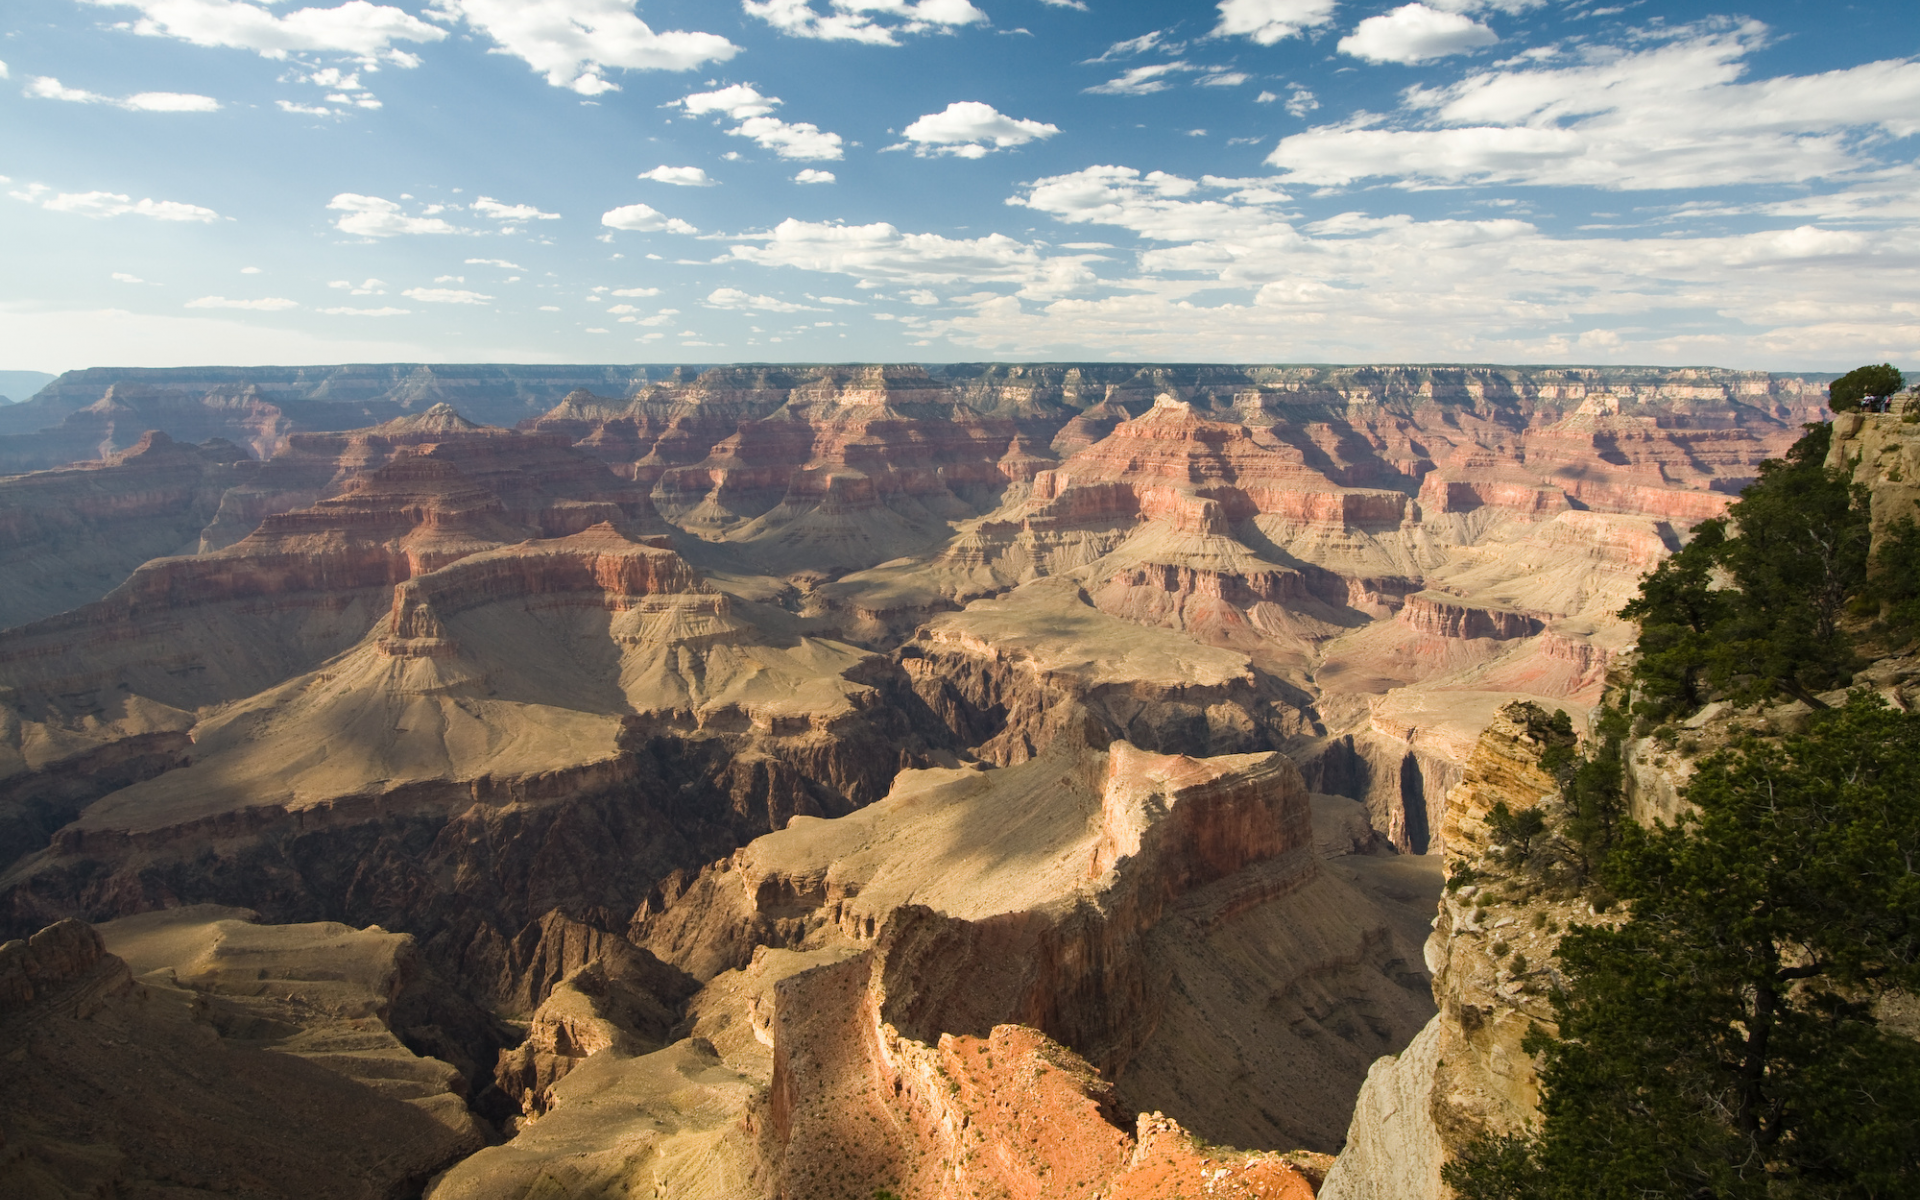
[(981, 780)]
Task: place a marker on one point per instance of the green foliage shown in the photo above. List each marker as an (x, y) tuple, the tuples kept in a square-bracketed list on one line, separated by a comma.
[(1863, 383), (1896, 581), (1719, 1042), (1801, 553), (1516, 831), (1799, 557), (1679, 612)]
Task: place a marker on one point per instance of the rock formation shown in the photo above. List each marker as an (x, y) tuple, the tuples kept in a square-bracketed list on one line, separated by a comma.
[(776, 780), (176, 1051)]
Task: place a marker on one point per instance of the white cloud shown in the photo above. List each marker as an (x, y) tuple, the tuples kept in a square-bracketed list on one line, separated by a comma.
[(734, 298), (1140, 81), (113, 204), (573, 42), (642, 218), (971, 129), (1075, 4), (357, 27), (123, 277), (365, 312), (837, 300), (3, 70), (372, 287), (1675, 115), (1220, 78), (678, 176), (268, 304), (1155, 40), (310, 110), (450, 279), (445, 296), (876, 22), (1414, 33), (1269, 21), (738, 101), (814, 175), (636, 291), (801, 139), (487, 206), (880, 252), (1300, 101), (502, 263), (250, 270), (371, 216), (46, 87)]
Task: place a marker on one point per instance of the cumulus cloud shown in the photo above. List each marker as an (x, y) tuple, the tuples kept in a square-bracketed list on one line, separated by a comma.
[(813, 175), (678, 176), (875, 22), (1672, 115), (123, 277), (367, 31), (267, 304), (799, 139), (502, 263), (636, 291), (487, 206), (112, 204), (372, 287), (445, 296), (1159, 205), (573, 42), (46, 87), (743, 104), (1140, 81), (642, 218), (1414, 33), (881, 253), (371, 216), (1269, 21), (736, 299), (365, 312), (308, 110), (739, 101), (971, 129)]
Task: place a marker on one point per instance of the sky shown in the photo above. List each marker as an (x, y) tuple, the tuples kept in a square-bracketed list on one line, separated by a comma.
[(243, 182)]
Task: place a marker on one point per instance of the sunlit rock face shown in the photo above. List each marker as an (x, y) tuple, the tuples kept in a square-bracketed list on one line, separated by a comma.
[(755, 758)]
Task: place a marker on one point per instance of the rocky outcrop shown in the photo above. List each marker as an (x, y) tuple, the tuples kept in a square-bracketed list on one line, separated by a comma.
[(1438, 615), (1491, 952), (1104, 899)]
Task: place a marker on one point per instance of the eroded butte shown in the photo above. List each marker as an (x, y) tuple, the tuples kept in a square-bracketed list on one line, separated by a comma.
[(1014, 780)]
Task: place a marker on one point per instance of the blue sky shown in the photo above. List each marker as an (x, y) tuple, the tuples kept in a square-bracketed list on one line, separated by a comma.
[(232, 181)]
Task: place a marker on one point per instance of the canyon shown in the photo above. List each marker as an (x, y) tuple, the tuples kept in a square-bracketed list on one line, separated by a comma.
[(1011, 780)]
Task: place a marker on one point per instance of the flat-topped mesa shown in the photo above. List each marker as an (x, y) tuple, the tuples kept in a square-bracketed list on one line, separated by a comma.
[(1440, 615), (1155, 464), (598, 567)]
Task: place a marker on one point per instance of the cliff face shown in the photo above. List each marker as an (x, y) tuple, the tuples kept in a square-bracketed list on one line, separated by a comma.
[(1491, 953)]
